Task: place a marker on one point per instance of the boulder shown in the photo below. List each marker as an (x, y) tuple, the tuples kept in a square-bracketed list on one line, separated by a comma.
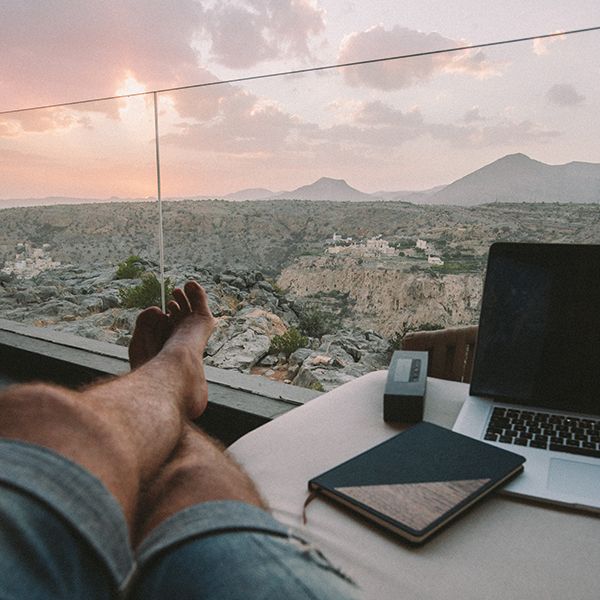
[(241, 352), (261, 321), (268, 361), (321, 379), (219, 336), (299, 356), (242, 341), (92, 304)]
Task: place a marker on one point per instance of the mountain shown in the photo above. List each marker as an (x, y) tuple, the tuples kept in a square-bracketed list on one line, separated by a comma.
[(407, 196), (250, 194), (518, 178), (336, 190)]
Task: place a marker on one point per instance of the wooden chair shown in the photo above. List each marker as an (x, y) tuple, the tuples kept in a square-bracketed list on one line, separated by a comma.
[(451, 351)]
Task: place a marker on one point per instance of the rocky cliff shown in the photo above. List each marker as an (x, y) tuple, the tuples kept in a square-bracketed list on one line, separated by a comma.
[(387, 297)]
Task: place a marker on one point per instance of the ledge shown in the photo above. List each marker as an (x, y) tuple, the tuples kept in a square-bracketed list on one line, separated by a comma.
[(238, 402)]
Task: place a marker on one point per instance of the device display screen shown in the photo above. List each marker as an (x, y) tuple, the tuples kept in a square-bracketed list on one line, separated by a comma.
[(539, 330)]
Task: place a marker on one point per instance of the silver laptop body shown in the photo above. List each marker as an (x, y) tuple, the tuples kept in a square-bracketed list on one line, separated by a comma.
[(535, 388)]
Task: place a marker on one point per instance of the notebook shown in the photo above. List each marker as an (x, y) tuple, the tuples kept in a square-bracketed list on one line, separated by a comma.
[(419, 480), (535, 387)]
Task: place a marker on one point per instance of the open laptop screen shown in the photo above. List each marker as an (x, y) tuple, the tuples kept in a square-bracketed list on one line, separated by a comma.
[(539, 329)]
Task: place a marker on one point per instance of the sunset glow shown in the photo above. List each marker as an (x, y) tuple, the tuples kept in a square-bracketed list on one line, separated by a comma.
[(410, 124)]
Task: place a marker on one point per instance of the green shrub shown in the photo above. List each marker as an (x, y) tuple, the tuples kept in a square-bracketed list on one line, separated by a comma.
[(287, 343), (316, 323), (130, 268), (146, 293), (317, 386)]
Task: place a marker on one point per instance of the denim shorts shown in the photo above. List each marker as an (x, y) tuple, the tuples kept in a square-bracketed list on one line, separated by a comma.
[(64, 536)]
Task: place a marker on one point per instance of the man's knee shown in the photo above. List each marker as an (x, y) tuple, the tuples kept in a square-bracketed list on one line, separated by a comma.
[(36, 405)]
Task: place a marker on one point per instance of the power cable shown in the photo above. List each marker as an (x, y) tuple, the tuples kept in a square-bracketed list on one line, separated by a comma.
[(307, 70)]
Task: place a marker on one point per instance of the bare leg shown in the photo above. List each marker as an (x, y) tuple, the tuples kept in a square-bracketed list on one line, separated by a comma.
[(198, 471), (123, 430)]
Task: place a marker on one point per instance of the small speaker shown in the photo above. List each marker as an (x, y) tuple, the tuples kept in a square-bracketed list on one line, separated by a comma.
[(404, 395)]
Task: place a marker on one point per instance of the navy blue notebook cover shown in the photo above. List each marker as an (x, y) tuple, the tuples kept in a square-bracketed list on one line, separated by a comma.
[(419, 480)]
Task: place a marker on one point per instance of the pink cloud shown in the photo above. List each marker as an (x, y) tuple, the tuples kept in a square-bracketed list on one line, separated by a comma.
[(379, 42), (64, 50), (239, 123), (61, 50)]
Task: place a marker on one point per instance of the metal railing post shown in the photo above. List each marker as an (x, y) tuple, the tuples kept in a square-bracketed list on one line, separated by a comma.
[(161, 246)]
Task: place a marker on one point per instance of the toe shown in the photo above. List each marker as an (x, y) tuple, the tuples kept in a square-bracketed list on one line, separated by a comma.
[(149, 317), (174, 309), (182, 300), (197, 297)]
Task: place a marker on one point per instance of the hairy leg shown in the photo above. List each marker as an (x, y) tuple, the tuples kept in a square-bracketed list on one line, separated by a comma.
[(123, 430), (198, 471)]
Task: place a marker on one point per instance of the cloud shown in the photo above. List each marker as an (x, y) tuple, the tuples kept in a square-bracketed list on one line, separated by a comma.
[(397, 74), (246, 124), (472, 115), (501, 133), (376, 124), (542, 46), (38, 121), (235, 122), (247, 32), (64, 50), (564, 94)]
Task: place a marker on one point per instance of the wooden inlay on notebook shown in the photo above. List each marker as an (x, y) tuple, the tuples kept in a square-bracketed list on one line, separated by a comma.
[(414, 504)]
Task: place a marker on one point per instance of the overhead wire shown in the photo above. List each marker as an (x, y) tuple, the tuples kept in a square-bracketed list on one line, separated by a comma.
[(307, 70)]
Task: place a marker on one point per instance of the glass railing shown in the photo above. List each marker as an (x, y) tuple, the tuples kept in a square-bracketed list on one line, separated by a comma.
[(78, 185), (327, 214)]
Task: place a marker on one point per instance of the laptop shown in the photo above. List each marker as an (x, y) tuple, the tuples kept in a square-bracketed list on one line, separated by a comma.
[(535, 387)]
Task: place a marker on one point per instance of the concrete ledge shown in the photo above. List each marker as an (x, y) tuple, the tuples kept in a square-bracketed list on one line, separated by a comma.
[(237, 402)]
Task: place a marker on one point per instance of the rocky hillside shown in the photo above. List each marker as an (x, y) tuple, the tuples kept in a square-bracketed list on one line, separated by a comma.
[(268, 236), (386, 296), (250, 313)]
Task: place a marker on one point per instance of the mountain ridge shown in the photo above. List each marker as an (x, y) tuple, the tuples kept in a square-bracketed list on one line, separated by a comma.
[(519, 178), (513, 178)]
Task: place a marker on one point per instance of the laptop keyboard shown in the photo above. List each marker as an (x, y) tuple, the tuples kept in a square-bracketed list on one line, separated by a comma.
[(544, 430)]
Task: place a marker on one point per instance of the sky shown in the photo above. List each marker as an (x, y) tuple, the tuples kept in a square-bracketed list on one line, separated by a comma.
[(401, 125)]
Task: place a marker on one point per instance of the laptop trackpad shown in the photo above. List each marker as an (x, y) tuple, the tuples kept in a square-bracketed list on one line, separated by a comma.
[(568, 475)]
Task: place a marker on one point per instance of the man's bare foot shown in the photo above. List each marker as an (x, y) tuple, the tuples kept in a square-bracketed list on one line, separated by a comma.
[(180, 337), (191, 320)]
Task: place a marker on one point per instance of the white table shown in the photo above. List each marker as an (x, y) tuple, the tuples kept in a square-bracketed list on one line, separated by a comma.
[(503, 548)]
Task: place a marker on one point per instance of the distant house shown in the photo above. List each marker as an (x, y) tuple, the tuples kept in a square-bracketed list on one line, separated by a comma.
[(338, 238), (372, 247), (29, 261), (377, 246), (421, 244), (435, 260)]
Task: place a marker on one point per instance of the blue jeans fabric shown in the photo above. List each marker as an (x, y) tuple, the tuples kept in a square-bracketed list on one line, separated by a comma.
[(64, 536)]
